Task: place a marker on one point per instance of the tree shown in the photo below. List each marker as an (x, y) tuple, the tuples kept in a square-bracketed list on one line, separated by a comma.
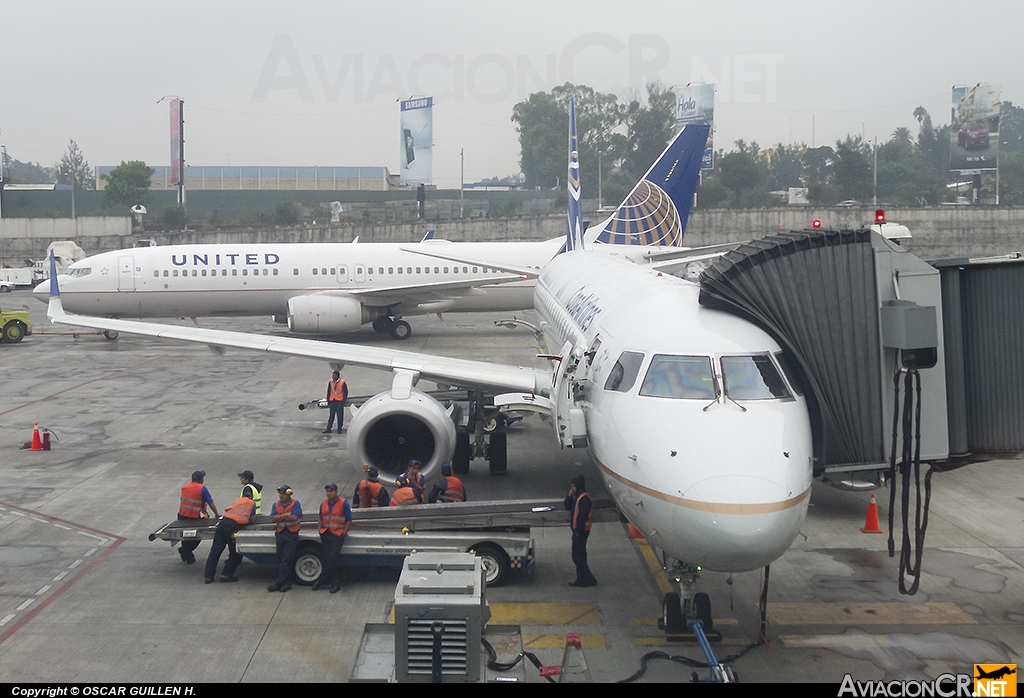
[(649, 129), (739, 172), (26, 172), (542, 121), (73, 167), (127, 185), (851, 170)]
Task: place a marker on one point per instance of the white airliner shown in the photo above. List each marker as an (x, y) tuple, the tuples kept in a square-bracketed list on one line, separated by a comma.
[(695, 427), (333, 288)]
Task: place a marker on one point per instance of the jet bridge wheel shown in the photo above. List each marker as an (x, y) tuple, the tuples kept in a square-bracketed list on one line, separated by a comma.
[(463, 452), (401, 330), (497, 453), (309, 563)]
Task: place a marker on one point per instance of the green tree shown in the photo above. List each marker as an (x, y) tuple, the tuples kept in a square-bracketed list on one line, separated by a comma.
[(127, 185), (739, 172), (649, 129), (542, 121), (73, 167), (851, 171), (17, 172)]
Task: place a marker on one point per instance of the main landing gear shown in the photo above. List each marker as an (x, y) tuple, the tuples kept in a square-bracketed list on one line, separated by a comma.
[(483, 436), (398, 329)]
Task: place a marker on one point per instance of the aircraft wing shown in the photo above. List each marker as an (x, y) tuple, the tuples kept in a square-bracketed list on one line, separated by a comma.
[(522, 272), (436, 290), (464, 373)]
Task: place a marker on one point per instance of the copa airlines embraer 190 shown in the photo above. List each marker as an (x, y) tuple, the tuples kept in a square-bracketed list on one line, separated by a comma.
[(695, 426), (332, 288)]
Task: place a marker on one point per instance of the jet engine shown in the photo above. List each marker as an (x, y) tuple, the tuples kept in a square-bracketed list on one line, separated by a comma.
[(323, 313), (392, 428)]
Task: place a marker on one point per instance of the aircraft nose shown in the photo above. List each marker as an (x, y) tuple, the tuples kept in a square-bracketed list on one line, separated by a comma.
[(42, 292)]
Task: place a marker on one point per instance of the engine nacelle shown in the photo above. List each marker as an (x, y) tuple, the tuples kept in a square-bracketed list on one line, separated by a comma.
[(388, 432), (323, 313)]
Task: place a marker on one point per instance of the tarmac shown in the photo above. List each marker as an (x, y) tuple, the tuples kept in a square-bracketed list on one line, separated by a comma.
[(85, 597)]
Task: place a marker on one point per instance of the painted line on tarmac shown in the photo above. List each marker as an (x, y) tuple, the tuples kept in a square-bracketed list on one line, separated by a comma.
[(878, 613), (110, 539)]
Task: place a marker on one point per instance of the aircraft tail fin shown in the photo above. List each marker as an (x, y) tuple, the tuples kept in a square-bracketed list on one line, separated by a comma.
[(574, 231), (55, 309), (656, 211)]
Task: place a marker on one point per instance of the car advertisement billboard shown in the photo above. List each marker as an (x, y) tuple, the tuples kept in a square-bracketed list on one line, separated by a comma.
[(417, 138), (974, 128), (695, 104)]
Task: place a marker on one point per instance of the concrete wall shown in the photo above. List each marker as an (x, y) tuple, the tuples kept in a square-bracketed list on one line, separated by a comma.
[(939, 232)]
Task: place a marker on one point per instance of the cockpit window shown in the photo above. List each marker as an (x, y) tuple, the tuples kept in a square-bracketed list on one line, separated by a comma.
[(80, 271), (624, 372), (752, 378), (684, 377), (789, 370)]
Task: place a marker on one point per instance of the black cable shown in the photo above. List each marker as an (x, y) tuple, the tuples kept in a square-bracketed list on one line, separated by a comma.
[(495, 665)]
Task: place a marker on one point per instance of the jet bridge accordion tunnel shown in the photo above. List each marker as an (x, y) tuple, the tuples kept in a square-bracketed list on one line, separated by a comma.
[(845, 306)]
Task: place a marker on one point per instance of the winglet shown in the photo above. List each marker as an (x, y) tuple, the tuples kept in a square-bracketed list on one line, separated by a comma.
[(55, 309), (428, 236), (574, 233)]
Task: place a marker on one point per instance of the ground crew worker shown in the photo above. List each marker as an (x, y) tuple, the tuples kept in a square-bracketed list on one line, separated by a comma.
[(337, 394), (581, 506), (405, 496), (412, 478), (239, 513), (287, 514), (250, 489), (449, 488), (335, 520), (194, 500), (370, 493)]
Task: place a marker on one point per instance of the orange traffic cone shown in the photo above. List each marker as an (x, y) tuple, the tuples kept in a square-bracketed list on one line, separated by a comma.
[(634, 532), (37, 443), (871, 522)]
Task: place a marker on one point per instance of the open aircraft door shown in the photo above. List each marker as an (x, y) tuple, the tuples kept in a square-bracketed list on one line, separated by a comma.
[(126, 273)]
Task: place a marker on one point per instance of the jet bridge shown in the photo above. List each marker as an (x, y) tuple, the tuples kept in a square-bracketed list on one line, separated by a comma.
[(849, 307)]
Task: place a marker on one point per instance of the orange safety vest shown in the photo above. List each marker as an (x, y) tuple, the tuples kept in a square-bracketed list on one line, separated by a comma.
[(369, 493), (293, 527), (192, 505), (336, 391), (576, 514), (404, 496), (456, 491), (332, 518), (240, 510)]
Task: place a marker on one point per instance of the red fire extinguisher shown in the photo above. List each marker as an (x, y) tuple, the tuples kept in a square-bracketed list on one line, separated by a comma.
[(46, 439)]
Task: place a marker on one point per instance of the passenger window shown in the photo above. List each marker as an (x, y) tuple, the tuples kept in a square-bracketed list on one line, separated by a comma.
[(418, 270), (399, 270), (315, 271), (245, 272), (752, 378), (435, 270), (156, 272), (681, 377), (204, 273), (391, 270), (624, 372), (275, 272), (446, 270), (295, 272), (195, 273), (234, 272)]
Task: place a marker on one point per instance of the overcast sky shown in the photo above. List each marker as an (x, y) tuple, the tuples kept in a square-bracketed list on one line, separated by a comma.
[(316, 83)]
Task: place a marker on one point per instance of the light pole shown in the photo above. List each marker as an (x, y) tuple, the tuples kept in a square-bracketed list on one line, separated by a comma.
[(178, 146)]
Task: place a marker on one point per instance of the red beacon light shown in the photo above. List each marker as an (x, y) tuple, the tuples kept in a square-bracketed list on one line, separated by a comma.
[(816, 224), (879, 216)]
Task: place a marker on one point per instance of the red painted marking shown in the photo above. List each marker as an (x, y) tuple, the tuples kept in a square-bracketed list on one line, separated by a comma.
[(68, 582)]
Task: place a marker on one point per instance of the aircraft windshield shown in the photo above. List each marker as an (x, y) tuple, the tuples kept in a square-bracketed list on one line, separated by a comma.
[(752, 378), (681, 377), (81, 271), (624, 372)]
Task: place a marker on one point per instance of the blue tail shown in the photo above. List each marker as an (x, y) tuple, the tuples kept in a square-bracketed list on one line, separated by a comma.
[(656, 211), (574, 233)]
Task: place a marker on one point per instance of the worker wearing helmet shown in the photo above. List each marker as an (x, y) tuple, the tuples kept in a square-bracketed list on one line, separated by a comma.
[(369, 492), (449, 488)]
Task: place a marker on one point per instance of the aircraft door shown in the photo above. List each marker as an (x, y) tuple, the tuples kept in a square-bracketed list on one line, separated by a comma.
[(126, 273), (342, 273), (359, 273)]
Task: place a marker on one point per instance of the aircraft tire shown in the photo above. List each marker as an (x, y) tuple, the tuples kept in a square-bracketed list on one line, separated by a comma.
[(14, 332), (702, 607), (497, 453), (463, 453), (672, 614), (401, 330), (383, 325), (110, 334)]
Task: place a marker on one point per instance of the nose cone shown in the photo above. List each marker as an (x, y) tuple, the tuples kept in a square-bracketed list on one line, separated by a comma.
[(42, 292)]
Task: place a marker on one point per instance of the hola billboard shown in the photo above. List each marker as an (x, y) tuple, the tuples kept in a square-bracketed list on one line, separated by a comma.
[(695, 104), (417, 138), (974, 128)]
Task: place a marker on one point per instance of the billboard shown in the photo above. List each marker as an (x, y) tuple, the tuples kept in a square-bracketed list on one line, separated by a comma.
[(974, 128), (176, 173), (695, 104), (417, 138)]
